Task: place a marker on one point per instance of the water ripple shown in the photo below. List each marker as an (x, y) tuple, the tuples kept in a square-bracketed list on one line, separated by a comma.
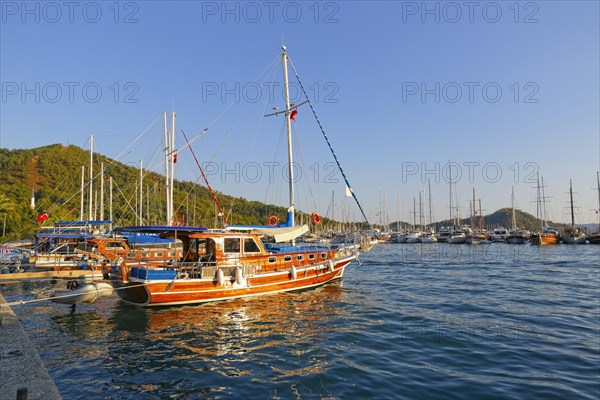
[(414, 322)]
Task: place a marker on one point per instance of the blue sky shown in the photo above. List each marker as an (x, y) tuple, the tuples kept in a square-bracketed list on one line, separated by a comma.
[(502, 89)]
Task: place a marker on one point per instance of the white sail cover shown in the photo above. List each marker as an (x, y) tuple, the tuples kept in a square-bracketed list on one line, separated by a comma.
[(284, 234)]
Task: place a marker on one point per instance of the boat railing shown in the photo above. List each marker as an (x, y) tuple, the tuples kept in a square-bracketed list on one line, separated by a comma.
[(207, 268)]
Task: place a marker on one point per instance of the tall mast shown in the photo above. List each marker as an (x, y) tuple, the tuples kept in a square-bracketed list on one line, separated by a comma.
[(421, 227), (598, 183), (512, 207), (385, 212), (538, 209), (110, 200), (141, 192), (450, 189), (91, 177), (480, 217), (172, 163), (543, 205), (289, 131), (102, 191), (399, 215), (333, 205), (473, 211), (415, 214), (169, 208), (430, 211), (380, 207), (82, 192), (572, 210)]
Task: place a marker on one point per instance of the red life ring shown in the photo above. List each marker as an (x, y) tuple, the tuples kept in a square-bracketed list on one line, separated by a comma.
[(273, 220), (315, 218)]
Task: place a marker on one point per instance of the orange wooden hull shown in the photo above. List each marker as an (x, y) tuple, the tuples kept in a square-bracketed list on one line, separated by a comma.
[(544, 239), (190, 291)]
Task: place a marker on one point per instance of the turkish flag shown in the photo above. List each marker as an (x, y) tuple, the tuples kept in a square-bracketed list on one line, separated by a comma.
[(175, 158), (293, 115), (42, 217)]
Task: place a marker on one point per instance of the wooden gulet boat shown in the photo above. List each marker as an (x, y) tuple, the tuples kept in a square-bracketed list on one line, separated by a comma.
[(515, 235), (573, 234), (223, 265), (546, 235), (233, 262), (68, 248)]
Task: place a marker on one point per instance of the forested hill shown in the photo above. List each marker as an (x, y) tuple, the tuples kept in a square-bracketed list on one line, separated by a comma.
[(53, 174), (501, 218)]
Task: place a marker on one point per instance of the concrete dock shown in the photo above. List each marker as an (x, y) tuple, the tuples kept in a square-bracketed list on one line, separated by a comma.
[(71, 274), (23, 375)]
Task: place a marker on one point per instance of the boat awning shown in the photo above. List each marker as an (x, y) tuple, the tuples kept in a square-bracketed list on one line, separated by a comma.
[(158, 229), (284, 234)]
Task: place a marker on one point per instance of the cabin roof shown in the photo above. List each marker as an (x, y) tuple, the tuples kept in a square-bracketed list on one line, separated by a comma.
[(159, 229)]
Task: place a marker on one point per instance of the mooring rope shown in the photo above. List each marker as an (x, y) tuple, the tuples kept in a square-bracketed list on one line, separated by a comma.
[(22, 302)]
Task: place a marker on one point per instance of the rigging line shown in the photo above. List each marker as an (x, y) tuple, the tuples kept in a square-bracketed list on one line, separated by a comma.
[(226, 138), (328, 143), (50, 210), (206, 180), (236, 100), (260, 121), (309, 196), (277, 189), (125, 151), (55, 206), (265, 201), (127, 203)]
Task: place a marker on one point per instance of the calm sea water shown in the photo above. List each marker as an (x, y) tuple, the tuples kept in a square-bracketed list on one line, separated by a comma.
[(413, 322)]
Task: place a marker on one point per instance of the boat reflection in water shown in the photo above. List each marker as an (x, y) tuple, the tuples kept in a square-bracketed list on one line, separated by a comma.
[(266, 339)]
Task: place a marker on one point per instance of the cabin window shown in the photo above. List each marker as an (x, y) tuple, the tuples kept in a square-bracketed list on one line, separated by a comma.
[(312, 256), (272, 260), (158, 254), (287, 258), (172, 254), (145, 254), (114, 246), (323, 255), (250, 246), (300, 257), (232, 245)]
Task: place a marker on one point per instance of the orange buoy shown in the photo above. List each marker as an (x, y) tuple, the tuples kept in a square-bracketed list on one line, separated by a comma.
[(273, 220), (315, 218)]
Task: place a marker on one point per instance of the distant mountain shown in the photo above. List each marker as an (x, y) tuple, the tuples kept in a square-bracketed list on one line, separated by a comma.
[(500, 218), (53, 174)]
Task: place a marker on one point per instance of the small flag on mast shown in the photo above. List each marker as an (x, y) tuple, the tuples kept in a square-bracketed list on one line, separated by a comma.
[(293, 115), (348, 191), (42, 217)]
